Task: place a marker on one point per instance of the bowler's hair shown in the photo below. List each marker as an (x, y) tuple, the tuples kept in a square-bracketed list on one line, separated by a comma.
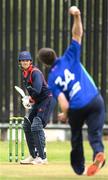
[(47, 56)]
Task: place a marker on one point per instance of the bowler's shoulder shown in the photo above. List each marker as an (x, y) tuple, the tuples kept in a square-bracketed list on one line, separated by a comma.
[(51, 76), (75, 42)]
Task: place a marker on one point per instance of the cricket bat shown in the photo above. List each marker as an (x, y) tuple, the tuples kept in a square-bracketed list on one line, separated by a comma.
[(25, 101), (20, 91)]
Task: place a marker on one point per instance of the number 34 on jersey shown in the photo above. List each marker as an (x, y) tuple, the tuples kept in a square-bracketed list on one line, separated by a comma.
[(68, 76)]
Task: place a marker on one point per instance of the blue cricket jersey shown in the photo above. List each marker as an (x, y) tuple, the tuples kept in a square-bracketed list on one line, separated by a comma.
[(69, 76)]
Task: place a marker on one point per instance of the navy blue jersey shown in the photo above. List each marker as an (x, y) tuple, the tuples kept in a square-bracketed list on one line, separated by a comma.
[(35, 84), (68, 75)]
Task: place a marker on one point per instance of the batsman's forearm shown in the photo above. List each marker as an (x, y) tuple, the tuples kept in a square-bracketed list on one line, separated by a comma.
[(32, 92)]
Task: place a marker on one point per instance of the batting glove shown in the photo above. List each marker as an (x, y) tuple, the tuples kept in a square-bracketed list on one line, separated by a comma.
[(26, 103)]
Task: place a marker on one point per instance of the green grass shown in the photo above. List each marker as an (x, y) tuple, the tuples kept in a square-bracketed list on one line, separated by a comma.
[(58, 167), (57, 151)]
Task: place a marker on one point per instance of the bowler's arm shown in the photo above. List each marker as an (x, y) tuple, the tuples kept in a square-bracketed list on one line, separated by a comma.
[(77, 29), (64, 105)]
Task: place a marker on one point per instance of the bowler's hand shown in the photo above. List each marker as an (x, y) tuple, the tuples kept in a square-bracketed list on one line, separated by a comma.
[(73, 10), (62, 117)]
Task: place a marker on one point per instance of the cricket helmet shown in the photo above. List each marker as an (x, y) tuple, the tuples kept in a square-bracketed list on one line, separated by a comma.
[(24, 55)]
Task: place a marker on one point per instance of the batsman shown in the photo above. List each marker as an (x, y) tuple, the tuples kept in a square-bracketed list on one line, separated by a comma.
[(40, 104)]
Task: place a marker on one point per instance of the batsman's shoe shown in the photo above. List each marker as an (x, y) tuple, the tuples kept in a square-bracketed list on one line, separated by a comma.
[(39, 160), (85, 171), (97, 164), (28, 160)]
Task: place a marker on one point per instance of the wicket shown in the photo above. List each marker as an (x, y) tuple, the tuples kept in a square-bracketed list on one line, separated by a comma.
[(16, 123)]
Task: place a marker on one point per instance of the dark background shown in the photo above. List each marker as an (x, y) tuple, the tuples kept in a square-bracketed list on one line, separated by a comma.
[(32, 24)]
